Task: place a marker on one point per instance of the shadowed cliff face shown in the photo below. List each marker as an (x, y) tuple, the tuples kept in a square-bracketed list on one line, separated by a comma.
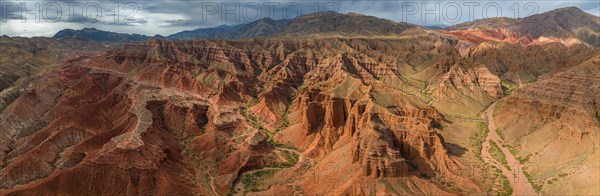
[(191, 117)]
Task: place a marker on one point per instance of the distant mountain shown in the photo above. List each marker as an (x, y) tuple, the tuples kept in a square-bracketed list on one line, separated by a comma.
[(570, 22), (258, 28), (485, 24), (100, 35), (563, 23), (297, 112), (345, 24), (317, 23), (438, 26), (222, 31)]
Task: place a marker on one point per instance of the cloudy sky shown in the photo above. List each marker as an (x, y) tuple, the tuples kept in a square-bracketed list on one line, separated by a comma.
[(150, 17)]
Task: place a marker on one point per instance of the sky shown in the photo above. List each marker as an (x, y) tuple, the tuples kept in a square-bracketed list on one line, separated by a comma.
[(28, 18)]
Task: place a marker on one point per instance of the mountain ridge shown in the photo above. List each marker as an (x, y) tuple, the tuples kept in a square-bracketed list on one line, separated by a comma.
[(395, 110), (201, 117), (568, 22), (100, 35)]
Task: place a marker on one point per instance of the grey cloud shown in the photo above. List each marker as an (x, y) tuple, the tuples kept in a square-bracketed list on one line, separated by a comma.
[(164, 17)]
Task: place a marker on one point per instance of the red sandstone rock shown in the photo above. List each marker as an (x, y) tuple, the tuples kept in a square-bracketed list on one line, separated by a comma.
[(188, 118)]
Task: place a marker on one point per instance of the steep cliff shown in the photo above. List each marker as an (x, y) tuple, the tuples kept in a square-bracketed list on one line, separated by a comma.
[(260, 116)]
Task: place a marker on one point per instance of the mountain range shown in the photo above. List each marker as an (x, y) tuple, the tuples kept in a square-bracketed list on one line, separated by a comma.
[(569, 22), (563, 22), (324, 104)]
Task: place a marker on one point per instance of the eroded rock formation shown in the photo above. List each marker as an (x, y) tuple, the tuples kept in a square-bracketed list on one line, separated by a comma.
[(191, 117)]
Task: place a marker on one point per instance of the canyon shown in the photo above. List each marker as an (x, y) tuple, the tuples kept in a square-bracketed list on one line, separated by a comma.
[(399, 109)]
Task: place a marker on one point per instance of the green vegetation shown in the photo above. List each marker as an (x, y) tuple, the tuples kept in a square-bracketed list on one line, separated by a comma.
[(501, 134), (497, 154), (501, 184), (253, 120), (268, 134), (291, 157), (523, 160), (497, 107), (537, 186), (203, 170), (284, 119), (438, 125), (253, 180), (508, 86), (462, 117), (506, 189), (478, 137), (291, 160), (555, 179), (513, 149), (563, 175), (286, 146)]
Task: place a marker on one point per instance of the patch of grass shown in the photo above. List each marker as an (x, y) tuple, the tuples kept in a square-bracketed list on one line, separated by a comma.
[(555, 179), (274, 144), (268, 134), (563, 175), (523, 160), (282, 165), (286, 146), (506, 189), (284, 119), (508, 86), (537, 186), (497, 107), (501, 134), (477, 138), (253, 120), (291, 157), (501, 184), (254, 180), (462, 117), (513, 149), (291, 160), (497, 154)]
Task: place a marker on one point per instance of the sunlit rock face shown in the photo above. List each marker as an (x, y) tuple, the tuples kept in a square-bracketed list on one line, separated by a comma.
[(336, 112)]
